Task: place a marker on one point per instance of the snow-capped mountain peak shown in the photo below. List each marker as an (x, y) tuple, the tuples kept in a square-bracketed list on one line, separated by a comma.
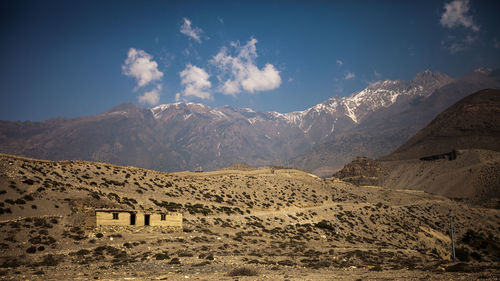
[(181, 136), (353, 108), (375, 96)]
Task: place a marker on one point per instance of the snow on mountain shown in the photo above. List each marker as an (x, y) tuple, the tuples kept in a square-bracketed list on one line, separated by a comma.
[(354, 107), (167, 111), (376, 96), (181, 136)]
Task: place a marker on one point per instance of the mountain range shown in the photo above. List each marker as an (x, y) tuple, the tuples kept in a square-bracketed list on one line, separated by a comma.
[(190, 136), (456, 155), (471, 123), (384, 130)]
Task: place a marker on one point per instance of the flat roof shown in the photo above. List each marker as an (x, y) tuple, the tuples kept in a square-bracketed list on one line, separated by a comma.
[(115, 210), (134, 211)]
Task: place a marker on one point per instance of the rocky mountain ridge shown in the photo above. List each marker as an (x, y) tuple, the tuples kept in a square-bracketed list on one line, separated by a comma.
[(384, 130), (456, 155), (471, 123), (356, 106), (187, 136)]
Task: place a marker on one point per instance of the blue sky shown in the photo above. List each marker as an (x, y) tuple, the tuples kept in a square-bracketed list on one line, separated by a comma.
[(75, 58)]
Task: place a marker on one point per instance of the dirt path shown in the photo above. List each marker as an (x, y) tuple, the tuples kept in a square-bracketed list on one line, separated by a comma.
[(287, 211)]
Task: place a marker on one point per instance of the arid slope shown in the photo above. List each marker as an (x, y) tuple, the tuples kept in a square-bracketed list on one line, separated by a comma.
[(273, 221), (456, 155), (471, 123)]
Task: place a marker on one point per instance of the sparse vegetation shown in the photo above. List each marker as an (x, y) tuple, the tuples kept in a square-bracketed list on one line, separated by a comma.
[(49, 260), (324, 225), (243, 271), (174, 261), (31, 250), (462, 254), (285, 223), (162, 256)]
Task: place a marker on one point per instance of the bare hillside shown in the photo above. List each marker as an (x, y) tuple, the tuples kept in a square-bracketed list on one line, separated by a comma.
[(471, 123), (269, 222), (386, 130), (456, 155), (473, 175)]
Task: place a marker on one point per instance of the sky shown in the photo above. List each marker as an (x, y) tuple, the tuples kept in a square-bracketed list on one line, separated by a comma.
[(79, 58)]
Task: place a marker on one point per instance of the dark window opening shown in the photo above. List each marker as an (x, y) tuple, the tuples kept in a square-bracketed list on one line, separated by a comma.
[(132, 219), (115, 216), (146, 219), (163, 217)]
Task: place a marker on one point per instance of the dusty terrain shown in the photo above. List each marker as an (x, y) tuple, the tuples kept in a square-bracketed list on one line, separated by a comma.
[(471, 123), (473, 175), (262, 223), (456, 155)]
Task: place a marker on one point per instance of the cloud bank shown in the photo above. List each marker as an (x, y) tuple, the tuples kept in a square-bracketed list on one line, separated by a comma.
[(235, 69), (240, 73)]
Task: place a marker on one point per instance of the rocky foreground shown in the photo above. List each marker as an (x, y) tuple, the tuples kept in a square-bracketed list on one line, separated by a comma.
[(251, 223)]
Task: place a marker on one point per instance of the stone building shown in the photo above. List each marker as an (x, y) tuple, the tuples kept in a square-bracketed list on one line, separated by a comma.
[(132, 218)]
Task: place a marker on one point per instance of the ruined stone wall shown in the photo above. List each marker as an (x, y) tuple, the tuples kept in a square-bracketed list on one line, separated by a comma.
[(171, 220), (106, 218)]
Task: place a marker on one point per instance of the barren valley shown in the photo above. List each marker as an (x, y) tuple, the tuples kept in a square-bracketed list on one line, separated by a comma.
[(250, 140), (267, 223)]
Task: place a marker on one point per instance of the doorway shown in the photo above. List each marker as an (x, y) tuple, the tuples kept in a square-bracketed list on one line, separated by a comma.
[(132, 219), (146, 219)]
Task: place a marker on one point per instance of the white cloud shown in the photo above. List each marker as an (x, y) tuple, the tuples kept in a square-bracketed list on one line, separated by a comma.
[(191, 31), (231, 87), (457, 14), (349, 75), (152, 97), (240, 72), (339, 62), (196, 83), (140, 65), (177, 97), (260, 80)]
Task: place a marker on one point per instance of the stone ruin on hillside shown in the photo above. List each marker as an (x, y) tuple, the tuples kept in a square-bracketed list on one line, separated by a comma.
[(135, 219)]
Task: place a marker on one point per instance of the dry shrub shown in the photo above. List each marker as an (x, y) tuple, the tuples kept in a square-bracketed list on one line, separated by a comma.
[(243, 271), (462, 267)]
